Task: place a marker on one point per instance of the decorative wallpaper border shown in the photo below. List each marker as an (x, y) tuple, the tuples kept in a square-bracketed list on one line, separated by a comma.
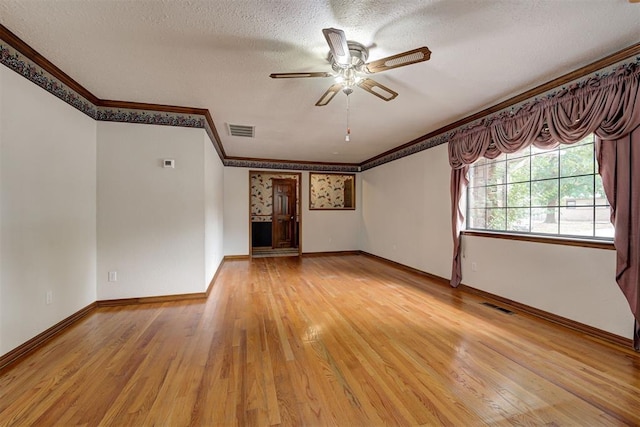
[(268, 164), (443, 138), (13, 60), (629, 65), (407, 151), (108, 114), (22, 65)]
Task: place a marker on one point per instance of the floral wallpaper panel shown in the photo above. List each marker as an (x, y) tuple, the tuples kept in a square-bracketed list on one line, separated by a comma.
[(327, 190), (262, 195)]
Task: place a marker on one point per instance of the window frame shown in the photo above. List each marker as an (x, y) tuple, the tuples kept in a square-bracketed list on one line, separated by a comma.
[(602, 242)]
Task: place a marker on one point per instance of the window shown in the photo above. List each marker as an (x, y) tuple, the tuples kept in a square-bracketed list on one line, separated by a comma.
[(554, 192)]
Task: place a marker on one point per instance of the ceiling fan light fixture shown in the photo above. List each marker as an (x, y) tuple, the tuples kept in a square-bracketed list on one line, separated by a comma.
[(348, 60)]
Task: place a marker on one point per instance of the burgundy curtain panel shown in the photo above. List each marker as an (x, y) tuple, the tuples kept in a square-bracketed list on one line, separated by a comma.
[(607, 105), (459, 183), (619, 163)]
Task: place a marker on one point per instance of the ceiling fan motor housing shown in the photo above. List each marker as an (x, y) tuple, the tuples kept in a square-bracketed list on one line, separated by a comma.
[(359, 54), (348, 60)]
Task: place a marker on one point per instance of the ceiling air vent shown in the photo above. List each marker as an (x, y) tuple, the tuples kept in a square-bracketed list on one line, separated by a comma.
[(242, 130)]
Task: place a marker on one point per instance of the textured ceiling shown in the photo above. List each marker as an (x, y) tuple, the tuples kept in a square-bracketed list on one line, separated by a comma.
[(218, 55)]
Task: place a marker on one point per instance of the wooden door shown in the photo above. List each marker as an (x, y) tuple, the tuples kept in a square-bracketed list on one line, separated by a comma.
[(284, 213)]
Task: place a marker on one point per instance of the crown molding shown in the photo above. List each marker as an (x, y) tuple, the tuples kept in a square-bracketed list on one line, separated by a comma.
[(37, 59), (441, 135), (26, 61), (21, 58), (299, 165)]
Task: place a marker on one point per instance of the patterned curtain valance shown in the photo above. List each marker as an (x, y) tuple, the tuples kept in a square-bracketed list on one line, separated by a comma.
[(603, 104)]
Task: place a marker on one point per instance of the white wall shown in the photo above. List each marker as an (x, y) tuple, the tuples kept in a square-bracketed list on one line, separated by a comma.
[(151, 220), (79, 199), (327, 231), (406, 213), (322, 231), (236, 211), (406, 218), (573, 282), (213, 210), (48, 210), (2, 102)]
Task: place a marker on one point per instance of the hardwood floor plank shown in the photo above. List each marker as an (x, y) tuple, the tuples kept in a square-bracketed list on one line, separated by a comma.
[(336, 340)]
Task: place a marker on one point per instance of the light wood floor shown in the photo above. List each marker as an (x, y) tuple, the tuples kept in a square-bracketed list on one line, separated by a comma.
[(341, 340)]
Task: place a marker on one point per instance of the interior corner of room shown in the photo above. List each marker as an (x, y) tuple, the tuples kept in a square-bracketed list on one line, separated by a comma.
[(92, 211)]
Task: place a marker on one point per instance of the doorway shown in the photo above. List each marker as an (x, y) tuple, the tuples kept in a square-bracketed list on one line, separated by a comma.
[(275, 214), (283, 218)]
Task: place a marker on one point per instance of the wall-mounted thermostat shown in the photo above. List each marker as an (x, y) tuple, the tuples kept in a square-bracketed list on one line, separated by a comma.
[(168, 163)]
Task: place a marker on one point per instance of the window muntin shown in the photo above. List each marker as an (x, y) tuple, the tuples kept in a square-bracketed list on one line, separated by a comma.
[(540, 191)]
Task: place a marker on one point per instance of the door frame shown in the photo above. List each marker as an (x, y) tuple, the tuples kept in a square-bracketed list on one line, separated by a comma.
[(292, 222), (285, 175)]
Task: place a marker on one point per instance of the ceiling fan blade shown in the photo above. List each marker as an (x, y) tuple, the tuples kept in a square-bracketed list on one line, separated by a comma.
[(400, 60), (298, 75), (328, 95), (377, 89), (338, 44)]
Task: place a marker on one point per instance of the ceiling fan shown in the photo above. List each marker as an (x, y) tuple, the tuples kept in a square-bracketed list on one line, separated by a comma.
[(348, 61)]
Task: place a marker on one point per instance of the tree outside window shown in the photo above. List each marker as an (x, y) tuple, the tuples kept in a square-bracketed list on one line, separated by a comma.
[(556, 191)]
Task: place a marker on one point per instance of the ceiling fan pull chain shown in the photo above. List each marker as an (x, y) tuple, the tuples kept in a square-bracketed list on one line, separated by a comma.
[(348, 135)]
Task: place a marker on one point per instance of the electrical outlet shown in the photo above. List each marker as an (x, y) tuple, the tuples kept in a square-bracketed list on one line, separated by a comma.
[(49, 297), (474, 266), (113, 276)]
